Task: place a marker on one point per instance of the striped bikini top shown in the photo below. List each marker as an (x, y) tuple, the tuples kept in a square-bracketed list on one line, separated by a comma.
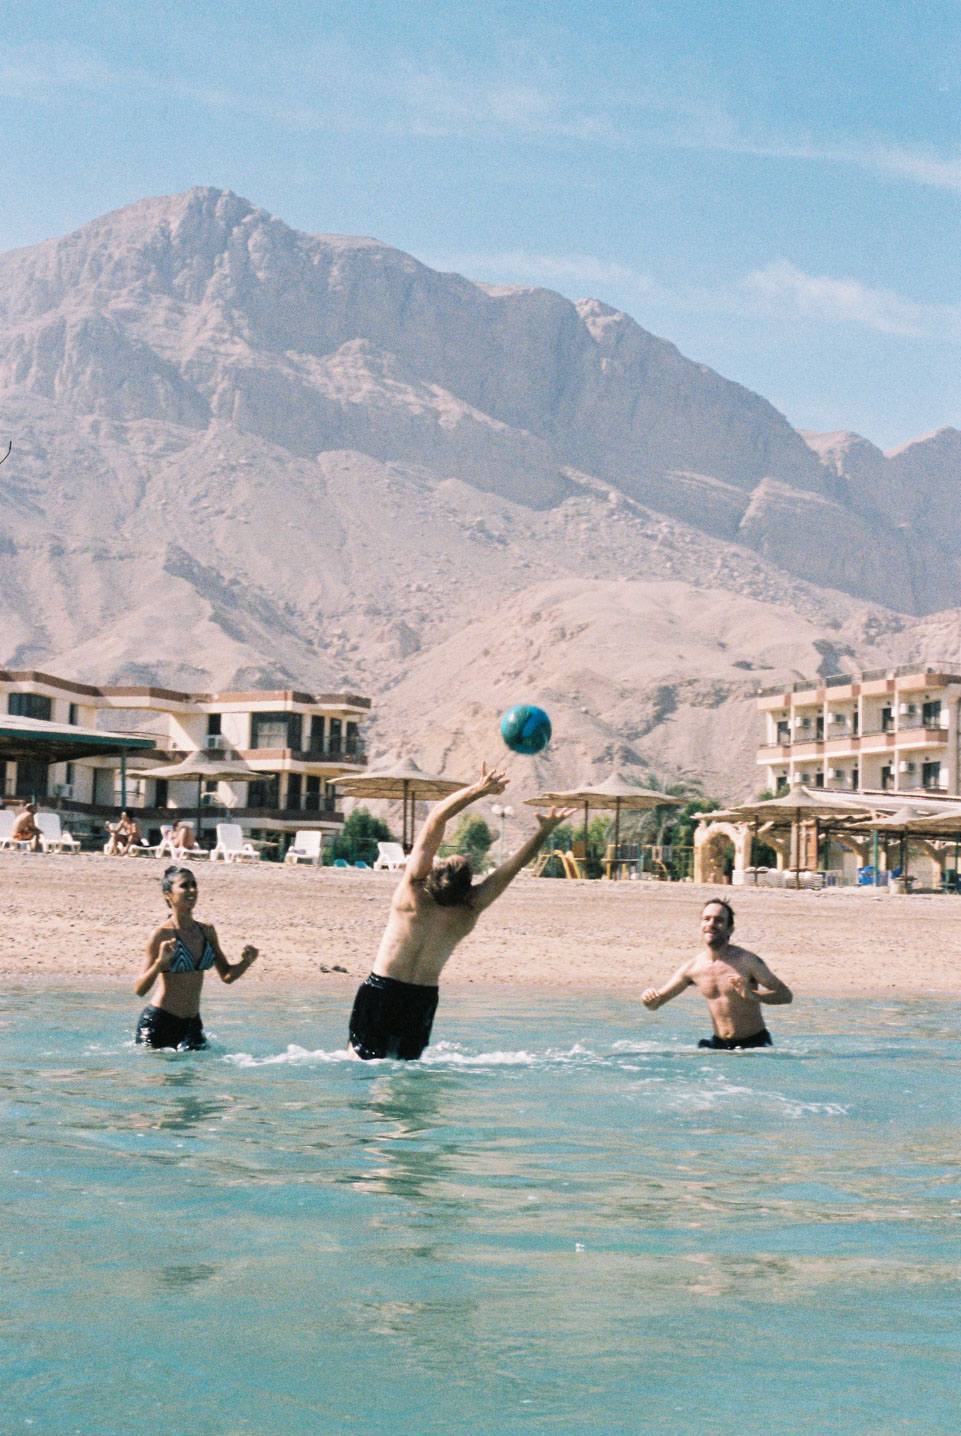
[(183, 958)]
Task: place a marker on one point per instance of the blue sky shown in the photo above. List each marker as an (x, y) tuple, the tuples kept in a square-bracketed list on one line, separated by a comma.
[(775, 189)]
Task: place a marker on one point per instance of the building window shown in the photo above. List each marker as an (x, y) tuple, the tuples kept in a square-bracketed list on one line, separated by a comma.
[(819, 780), (30, 705), (352, 740), (855, 778), (317, 733), (931, 774), (931, 713), (783, 731), (276, 730), (312, 793), (293, 790), (74, 716), (32, 780), (819, 726), (336, 730), (264, 792), (887, 720), (213, 724), (160, 793), (887, 778)]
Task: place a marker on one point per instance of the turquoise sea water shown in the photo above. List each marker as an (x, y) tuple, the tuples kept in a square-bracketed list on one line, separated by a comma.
[(566, 1219)]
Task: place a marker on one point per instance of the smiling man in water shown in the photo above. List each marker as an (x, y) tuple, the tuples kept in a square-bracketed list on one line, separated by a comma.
[(434, 906), (734, 981)]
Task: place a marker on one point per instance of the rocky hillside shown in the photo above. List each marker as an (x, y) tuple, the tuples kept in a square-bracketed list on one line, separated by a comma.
[(248, 455)]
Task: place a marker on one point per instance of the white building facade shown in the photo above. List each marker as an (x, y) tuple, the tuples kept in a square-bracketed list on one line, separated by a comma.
[(893, 731), (294, 742)]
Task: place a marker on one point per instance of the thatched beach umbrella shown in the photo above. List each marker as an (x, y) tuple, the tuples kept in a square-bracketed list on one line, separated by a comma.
[(617, 793), (792, 809), (206, 768), (394, 778)]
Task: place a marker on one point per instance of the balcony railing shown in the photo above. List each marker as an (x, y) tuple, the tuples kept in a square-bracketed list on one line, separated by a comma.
[(353, 750)]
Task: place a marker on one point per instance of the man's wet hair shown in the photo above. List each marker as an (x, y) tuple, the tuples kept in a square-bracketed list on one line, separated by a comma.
[(449, 881), (170, 877), (720, 902)]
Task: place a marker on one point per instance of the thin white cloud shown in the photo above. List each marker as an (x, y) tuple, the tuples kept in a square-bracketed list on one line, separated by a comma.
[(574, 273), (338, 89), (783, 291), (776, 292)]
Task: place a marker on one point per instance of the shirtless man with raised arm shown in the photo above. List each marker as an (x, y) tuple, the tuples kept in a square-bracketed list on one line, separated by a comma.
[(734, 981), (435, 905)]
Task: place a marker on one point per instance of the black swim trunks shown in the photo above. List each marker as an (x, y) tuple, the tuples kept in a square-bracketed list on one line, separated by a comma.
[(391, 1018), (157, 1028), (728, 1044)]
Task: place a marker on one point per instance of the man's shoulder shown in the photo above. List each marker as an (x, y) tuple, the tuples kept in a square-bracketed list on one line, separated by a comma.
[(737, 954)]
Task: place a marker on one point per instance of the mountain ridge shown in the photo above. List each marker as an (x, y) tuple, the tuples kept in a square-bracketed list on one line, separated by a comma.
[(246, 454)]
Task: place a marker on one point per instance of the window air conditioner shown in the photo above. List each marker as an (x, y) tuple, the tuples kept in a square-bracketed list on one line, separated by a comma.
[(908, 710), (215, 743), (907, 767)]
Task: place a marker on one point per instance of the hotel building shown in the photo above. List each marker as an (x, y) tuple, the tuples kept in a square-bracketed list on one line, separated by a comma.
[(886, 731), (295, 744)]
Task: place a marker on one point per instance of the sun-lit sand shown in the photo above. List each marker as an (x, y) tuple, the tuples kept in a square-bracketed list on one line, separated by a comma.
[(87, 918)]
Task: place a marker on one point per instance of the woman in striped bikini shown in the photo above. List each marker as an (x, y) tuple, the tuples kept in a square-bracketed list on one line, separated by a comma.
[(179, 953)]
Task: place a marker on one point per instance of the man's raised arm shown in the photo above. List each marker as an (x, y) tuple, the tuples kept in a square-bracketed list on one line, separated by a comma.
[(494, 884), (431, 835)]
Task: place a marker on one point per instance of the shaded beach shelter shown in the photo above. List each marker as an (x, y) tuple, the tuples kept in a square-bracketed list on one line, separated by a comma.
[(616, 793), (397, 777), (36, 740), (941, 823), (206, 768), (793, 809), (908, 820)]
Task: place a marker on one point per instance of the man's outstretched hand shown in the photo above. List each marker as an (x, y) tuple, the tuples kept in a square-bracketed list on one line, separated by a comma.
[(490, 783), (547, 822)]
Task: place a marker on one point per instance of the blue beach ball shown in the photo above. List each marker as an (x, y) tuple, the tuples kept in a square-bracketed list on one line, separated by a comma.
[(526, 729)]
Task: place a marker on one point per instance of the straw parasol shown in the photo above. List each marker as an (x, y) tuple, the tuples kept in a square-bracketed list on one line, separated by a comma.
[(206, 768), (616, 792), (398, 777), (799, 806)]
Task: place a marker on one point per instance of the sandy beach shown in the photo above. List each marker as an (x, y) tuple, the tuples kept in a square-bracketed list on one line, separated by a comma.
[(87, 918)]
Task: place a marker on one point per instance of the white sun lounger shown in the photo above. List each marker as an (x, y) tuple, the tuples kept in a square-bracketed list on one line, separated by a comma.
[(231, 847), (307, 847), (390, 856)]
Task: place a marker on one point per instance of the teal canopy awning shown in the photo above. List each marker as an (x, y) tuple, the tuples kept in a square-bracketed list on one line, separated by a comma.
[(33, 740)]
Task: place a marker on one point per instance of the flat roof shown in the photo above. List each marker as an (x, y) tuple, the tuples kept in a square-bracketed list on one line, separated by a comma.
[(35, 740), (146, 690)]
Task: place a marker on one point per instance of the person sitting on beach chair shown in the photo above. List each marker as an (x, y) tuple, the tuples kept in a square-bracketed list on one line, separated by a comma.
[(124, 835), (25, 830)]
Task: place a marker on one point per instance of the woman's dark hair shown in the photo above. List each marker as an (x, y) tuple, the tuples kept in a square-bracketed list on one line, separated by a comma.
[(449, 881), (170, 875)]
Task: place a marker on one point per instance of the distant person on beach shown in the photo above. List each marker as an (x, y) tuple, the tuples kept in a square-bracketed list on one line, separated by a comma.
[(124, 834), (434, 906), (734, 981), (179, 953), (25, 828), (184, 837)]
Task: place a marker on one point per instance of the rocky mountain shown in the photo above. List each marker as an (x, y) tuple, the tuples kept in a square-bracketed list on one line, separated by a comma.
[(248, 455)]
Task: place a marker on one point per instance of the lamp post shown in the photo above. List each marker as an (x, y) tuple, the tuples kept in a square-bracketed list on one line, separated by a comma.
[(503, 813)]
